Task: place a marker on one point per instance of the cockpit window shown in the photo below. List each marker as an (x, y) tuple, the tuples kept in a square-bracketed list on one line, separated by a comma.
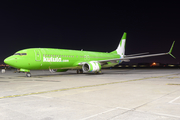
[(20, 54), (23, 53), (17, 54)]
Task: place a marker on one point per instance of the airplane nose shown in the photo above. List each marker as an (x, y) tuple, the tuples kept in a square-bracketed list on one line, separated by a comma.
[(8, 61)]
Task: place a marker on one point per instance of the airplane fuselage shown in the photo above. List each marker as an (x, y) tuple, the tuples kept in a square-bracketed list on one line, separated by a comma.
[(49, 58)]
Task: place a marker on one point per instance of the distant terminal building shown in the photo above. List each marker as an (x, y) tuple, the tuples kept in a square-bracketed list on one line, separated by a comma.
[(155, 64), (148, 65)]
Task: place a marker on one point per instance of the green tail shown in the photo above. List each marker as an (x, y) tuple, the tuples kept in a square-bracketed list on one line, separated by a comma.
[(121, 47)]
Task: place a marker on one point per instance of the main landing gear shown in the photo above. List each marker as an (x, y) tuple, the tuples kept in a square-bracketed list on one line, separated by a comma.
[(79, 71), (98, 72), (28, 74)]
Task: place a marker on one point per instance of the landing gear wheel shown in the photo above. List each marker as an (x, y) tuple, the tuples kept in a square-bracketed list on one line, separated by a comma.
[(81, 71), (98, 72), (28, 74)]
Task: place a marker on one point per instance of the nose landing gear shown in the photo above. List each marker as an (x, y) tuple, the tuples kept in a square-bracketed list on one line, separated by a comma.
[(28, 74)]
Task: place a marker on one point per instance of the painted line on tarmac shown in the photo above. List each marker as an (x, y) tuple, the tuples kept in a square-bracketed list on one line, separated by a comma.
[(172, 77), (174, 100), (172, 84), (159, 114), (65, 89), (95, 115)]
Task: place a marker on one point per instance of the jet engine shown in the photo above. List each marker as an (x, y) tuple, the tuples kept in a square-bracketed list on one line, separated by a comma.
[(91, 67)]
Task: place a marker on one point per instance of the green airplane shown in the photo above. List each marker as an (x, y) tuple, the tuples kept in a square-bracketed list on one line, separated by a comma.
[(61, 60)]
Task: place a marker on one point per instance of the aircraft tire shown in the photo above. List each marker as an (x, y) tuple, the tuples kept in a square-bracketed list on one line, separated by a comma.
[(28, 74), (98, 72), (81, 71), (78, 71)]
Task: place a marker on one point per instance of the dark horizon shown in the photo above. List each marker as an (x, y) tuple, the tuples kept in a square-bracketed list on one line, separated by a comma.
[(94, 26)]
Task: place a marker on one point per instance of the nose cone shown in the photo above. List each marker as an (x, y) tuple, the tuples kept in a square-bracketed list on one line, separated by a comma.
[(9, 61), (6, 60)]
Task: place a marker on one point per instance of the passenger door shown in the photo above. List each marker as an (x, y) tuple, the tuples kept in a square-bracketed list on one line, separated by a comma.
[(37, 55)]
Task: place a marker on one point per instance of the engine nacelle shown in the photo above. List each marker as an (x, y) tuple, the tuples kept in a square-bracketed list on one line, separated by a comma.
[(91, 67)]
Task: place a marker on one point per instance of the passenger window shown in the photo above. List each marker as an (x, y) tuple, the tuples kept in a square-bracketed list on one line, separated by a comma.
[(20, 54)]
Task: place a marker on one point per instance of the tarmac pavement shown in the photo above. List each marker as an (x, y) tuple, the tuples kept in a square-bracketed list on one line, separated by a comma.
[(117, 94)]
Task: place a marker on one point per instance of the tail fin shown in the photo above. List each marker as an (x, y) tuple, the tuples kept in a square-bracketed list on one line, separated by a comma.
[(121, 47)]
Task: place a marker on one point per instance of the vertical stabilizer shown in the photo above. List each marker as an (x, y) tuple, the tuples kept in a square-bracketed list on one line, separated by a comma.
[(121, 47)]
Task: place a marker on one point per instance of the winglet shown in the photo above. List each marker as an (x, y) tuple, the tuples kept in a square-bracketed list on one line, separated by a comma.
[(171, 50)]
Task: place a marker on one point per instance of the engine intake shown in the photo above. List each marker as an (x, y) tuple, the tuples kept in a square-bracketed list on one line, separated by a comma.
[(91, 67)]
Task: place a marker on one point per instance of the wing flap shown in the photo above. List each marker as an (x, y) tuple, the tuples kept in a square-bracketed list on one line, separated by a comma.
[(136, 54)]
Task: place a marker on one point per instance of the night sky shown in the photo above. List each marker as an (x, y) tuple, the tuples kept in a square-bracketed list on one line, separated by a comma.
[(91, 26)]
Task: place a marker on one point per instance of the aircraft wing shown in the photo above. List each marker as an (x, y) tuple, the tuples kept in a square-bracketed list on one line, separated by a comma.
[(126, 58), (136, 54)]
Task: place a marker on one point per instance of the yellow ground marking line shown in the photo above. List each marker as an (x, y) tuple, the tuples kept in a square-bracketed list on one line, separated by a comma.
[(65, 89), (172, 84), (172, 77)]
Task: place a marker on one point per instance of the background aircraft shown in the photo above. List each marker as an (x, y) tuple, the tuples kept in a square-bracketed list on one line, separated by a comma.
[(61, 60)]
